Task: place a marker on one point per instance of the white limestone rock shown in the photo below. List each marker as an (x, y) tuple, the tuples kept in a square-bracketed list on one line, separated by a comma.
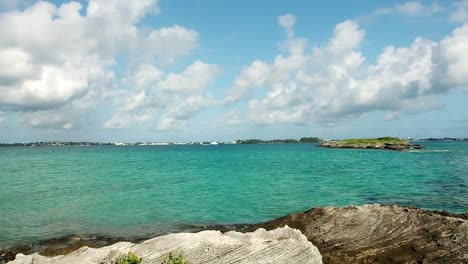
[(282, 245)]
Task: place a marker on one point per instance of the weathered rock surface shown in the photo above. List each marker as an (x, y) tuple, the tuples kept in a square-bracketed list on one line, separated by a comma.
[(381, 234), (282, 245), (354, 234)]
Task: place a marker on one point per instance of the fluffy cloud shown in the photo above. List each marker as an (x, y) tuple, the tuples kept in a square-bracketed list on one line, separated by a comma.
[(287, 22), (124, 118), (145, 76), (261, 74), (177, 97), (183, 110), (418, 9), (50, 69), (127, 12), (333, 83), (193, 80), (454, 58), (411, 8), (461, 12), (58, 58), (168, 43)]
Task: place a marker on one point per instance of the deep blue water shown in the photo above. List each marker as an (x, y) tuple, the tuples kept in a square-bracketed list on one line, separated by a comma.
[(142, 190)]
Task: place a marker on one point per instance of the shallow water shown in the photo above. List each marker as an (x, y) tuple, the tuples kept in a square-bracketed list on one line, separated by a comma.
[(142, 190)]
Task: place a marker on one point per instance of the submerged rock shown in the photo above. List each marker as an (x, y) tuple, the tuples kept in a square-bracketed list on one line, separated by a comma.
[(282, 245), (381, 234)]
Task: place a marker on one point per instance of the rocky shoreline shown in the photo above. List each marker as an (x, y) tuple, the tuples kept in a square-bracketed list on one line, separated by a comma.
[(353, 234), (381, 234)]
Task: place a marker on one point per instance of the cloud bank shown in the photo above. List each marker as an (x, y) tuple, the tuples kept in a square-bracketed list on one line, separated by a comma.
[(60, 65), (332, 83), (56, 60)]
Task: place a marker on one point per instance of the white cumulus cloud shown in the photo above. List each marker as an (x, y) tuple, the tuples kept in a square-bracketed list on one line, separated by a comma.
[(334, 83), (167, 99), (62, 58), (194, 79)]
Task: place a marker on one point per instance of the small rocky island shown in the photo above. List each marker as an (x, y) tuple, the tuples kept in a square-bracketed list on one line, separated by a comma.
[(390, 143)]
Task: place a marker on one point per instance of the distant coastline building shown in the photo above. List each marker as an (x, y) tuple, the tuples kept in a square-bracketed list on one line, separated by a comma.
[(159, 143)]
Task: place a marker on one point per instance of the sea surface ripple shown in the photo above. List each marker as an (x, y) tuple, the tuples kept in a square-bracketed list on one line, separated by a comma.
[(126, 191)]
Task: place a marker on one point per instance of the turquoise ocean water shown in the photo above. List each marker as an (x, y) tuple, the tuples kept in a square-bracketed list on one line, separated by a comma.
[(127, 191)]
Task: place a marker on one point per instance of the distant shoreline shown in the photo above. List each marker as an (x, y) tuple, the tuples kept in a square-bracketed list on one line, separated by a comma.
[(88, 143), (304, 140), (443, 139)]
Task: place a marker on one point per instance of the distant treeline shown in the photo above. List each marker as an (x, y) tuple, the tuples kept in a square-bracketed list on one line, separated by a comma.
[(279, 141)]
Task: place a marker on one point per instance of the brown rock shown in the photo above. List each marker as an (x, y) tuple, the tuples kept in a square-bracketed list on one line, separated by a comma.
[(381, 234)]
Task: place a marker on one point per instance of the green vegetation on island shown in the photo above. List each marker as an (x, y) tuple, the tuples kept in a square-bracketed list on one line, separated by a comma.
[(367, 141), (390, 143)]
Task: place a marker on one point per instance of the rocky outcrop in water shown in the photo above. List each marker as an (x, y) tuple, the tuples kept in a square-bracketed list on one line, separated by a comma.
[(387, 146), (282, 245), (381, 234)]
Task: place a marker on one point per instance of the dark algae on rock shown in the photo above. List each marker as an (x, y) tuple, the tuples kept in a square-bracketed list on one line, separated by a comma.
[(381, 234), (59, 246)]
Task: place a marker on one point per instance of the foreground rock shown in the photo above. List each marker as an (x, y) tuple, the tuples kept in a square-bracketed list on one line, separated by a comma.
[(354, 234), (381, 234), (282, 245)]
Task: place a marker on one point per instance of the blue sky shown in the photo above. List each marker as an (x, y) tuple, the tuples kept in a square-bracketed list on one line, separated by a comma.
[(173, 70)]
